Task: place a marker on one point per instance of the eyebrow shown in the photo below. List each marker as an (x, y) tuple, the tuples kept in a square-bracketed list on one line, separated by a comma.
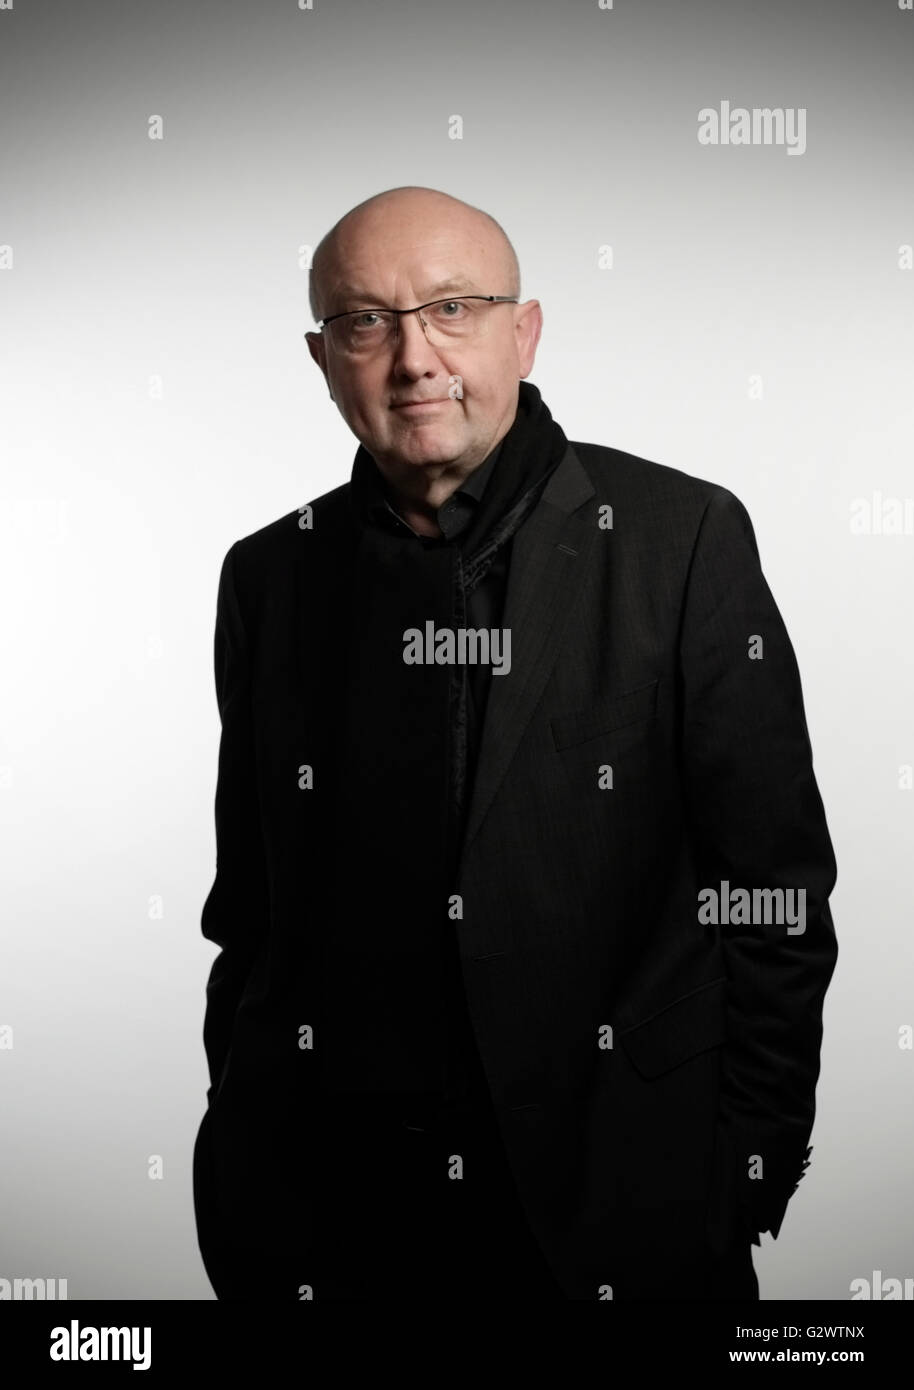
[(364, 300)]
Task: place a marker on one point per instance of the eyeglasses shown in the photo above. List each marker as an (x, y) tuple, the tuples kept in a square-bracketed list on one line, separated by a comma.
[(443, 321)]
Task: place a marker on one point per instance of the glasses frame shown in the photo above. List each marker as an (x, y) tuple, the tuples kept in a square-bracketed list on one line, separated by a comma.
[(449, 299)]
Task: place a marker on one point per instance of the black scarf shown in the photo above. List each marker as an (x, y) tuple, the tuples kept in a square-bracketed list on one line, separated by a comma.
[(402, 793)]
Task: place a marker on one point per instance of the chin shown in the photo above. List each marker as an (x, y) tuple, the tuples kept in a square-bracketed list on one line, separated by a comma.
[(428, 445)]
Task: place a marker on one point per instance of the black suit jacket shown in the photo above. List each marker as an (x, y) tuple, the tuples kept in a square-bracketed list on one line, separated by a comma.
[(653, 1077)]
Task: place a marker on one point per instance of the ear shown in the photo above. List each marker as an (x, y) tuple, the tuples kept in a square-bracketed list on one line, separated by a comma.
[(318, 350), (528, 325)]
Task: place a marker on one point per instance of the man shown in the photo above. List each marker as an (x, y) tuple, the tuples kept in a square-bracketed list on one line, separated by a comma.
[(522, 870)]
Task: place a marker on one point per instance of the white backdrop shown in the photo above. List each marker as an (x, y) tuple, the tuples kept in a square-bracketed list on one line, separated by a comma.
[(157, 401)]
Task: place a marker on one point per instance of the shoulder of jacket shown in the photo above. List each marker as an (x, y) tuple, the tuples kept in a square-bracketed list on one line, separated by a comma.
[(650, 487), (605, 464), (280, 537)]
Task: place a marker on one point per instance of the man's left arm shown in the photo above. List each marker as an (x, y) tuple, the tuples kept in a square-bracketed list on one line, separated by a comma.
[(757, 823)]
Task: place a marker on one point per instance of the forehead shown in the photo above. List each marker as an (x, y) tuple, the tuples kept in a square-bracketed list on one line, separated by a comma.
[(382, 258), (350, 294)]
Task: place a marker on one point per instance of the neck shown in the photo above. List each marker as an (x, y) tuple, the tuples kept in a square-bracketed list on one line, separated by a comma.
[(418, 503), (418, 493), (422, 520)]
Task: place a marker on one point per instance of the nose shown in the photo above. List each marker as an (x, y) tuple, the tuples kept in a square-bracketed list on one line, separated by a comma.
[(413, 352)]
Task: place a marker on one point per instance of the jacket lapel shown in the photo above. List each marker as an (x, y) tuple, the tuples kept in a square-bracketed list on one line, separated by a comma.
[(548, 557)]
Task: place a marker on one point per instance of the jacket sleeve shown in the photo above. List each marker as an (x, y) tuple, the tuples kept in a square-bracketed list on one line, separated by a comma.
[(236, 912), (757, 822)]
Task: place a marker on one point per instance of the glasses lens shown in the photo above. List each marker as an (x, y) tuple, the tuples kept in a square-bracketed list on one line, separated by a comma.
[(365, 331), (454, 318)]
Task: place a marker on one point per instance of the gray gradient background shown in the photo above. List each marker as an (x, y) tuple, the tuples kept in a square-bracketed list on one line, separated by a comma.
[(180, 259)]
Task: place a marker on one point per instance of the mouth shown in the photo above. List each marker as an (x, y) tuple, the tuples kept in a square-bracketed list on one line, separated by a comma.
[(419, 407)]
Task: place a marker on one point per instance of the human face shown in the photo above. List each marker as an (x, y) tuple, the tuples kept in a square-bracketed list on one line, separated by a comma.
[(399, 257)]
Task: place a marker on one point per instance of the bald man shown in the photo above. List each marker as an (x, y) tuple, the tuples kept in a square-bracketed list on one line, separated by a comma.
[(522, 870)]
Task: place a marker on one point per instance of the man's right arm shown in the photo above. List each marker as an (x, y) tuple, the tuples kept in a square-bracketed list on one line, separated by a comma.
[(236, 912)]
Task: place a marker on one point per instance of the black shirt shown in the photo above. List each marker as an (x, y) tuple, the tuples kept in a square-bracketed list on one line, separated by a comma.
[(465, 1091), (485, 604)]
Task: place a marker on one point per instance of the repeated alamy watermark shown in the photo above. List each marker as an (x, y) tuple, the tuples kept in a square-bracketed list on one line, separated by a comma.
[(461, 646), (882, 1288), (42, 519), (753, 907), (760, 125), (882, 515), (25, 1289)]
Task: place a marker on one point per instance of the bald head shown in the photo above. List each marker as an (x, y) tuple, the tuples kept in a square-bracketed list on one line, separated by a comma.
[(401, 217)]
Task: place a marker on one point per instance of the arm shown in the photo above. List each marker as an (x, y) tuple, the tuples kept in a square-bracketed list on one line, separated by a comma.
[(757, 821), (236, 912)]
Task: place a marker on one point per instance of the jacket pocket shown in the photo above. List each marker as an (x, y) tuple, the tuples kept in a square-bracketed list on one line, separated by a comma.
[(692, 1024), (616, 712)]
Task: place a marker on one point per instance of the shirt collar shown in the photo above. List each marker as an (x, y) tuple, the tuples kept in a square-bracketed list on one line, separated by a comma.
[(475, 484), (455, 512)]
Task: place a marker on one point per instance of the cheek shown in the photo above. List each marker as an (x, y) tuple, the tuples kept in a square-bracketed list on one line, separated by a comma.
[(494, 373), (476, 388), (362, 407), (488, 399)]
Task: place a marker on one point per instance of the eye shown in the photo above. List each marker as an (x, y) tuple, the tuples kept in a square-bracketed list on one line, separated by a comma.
[(359, 320), (448, 310)]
